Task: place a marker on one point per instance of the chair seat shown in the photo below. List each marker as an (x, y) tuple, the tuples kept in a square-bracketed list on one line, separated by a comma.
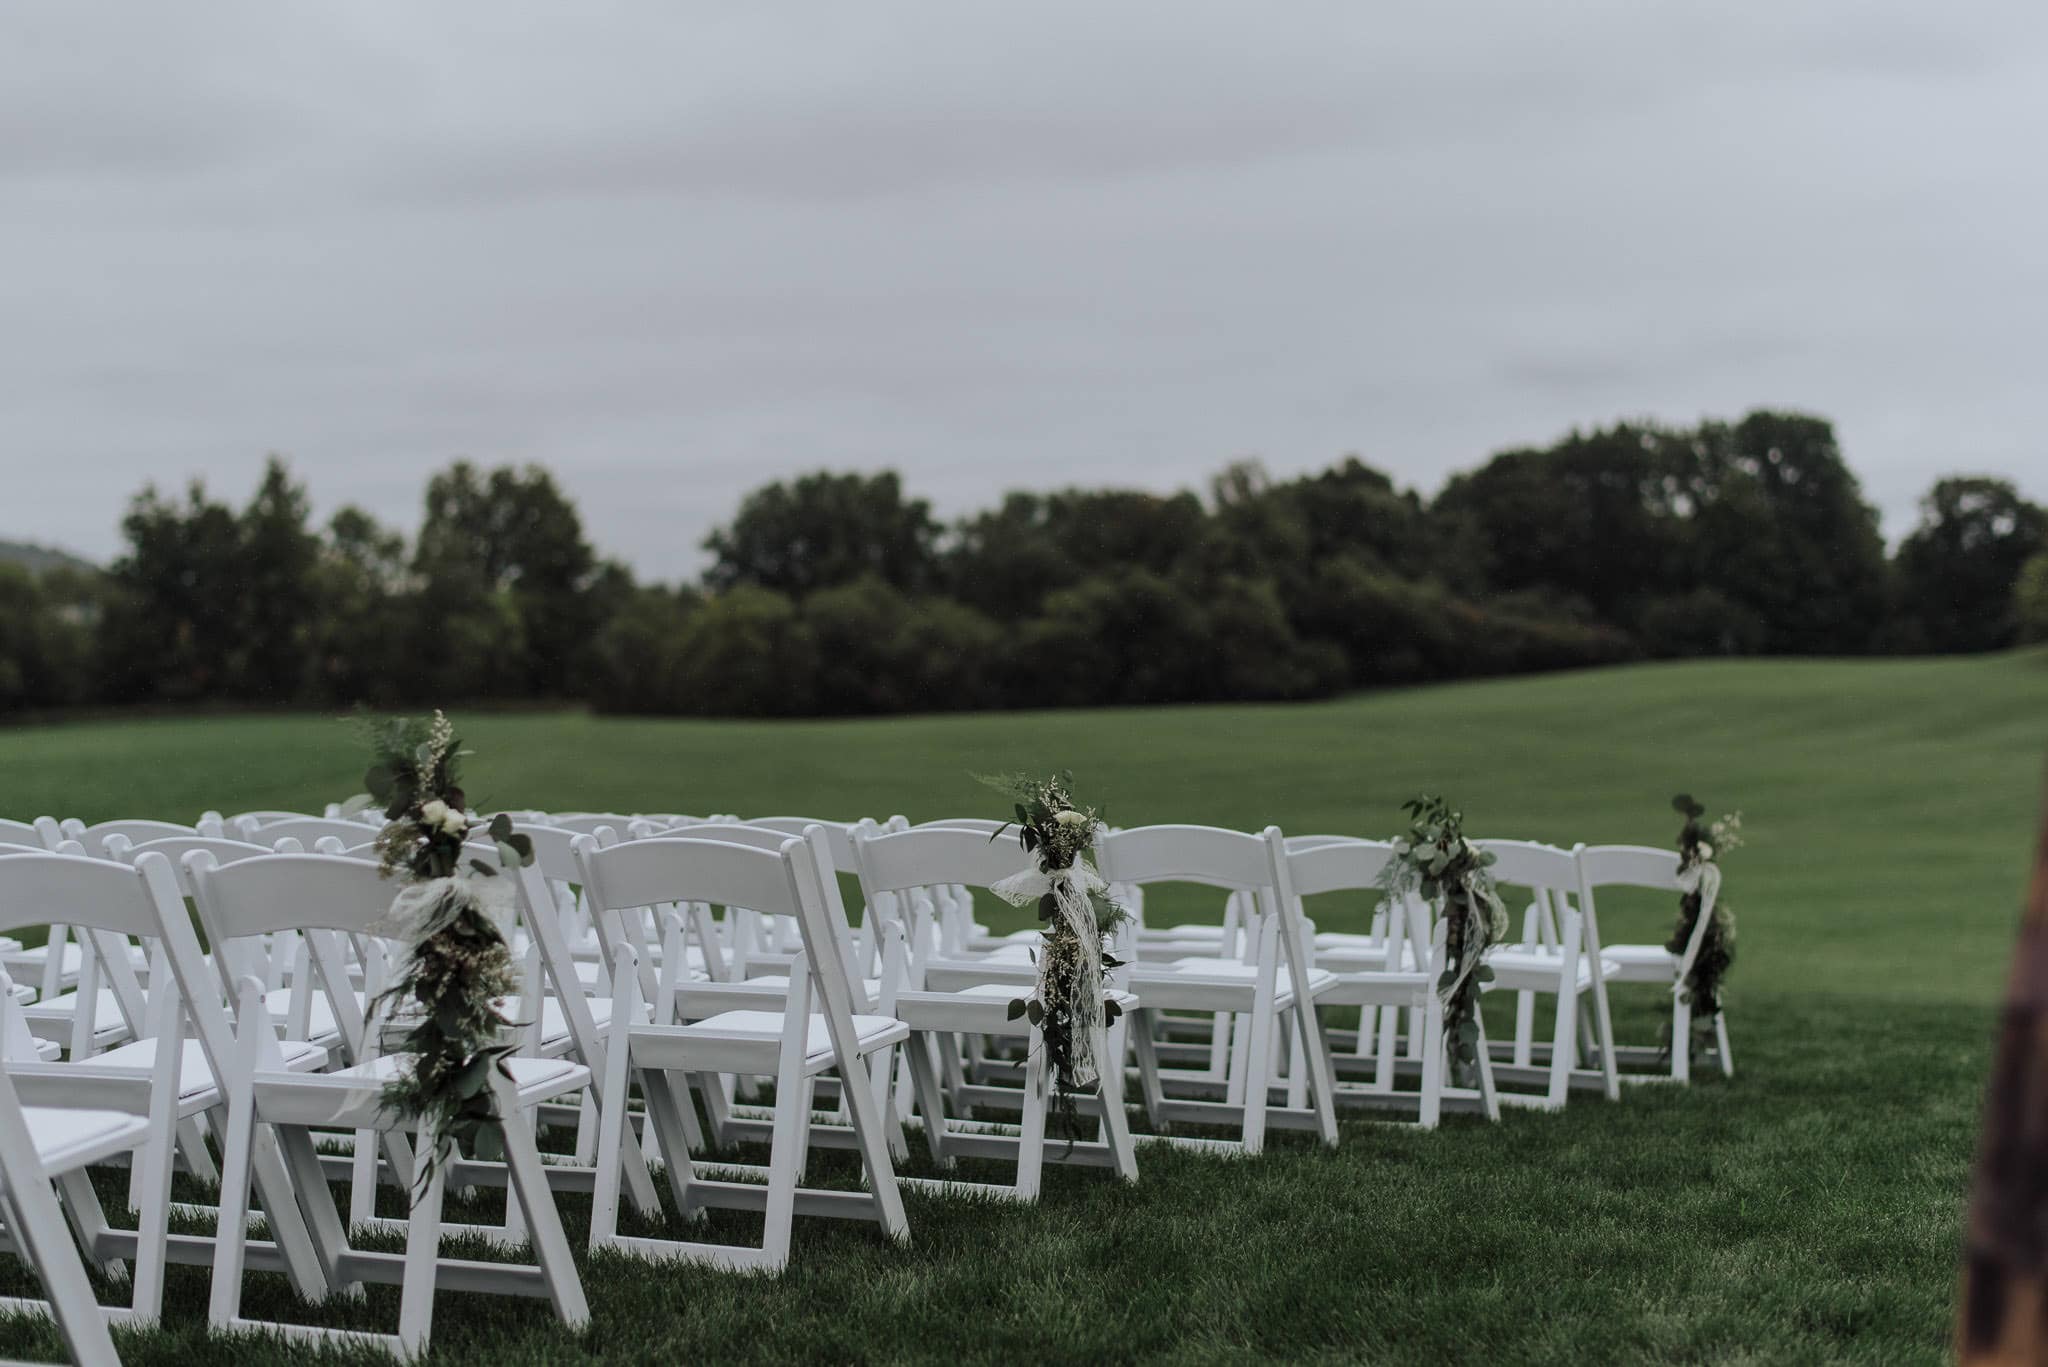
[(1642, 963), (751, 1041), (554, 1021), (707, 996), (1233, 971), (59, 1013), (36, 957), (983, 1009), (1216, 984), (1524, 969), (1350, 941), (320, 1022), (354, 1096), (195, 1076), (1013, 952), (1379, 987), (67, 1140)]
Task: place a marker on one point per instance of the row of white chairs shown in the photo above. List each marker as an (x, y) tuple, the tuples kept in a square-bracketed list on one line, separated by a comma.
[(677, 963)]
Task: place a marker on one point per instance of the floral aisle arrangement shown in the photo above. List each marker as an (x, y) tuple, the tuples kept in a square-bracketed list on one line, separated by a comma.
[(1699, 874), (457, 968), (1066, 1004), (1435, 859)]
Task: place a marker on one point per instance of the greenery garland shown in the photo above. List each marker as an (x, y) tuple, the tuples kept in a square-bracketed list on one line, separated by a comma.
[(1435, 859), (1078, 914), (1699, 847), (457, 968)]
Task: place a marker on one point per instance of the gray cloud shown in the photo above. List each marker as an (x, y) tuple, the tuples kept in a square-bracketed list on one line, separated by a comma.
[(673, 251)]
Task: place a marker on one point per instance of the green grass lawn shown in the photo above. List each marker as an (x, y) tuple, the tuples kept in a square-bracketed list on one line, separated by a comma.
[(1807, 1210)]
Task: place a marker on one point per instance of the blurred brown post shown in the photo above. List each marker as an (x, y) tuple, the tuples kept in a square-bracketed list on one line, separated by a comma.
[(2003, 1316)]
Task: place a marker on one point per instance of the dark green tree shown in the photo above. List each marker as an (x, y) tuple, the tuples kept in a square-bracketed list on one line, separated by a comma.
[(1781, 529), (275, 595), (636, 659), (512, 533), (1958, 568), (173, 622), (745, 653), (365, 612), (2030, 600), (823, 529), (1589, 517), (45, 638)]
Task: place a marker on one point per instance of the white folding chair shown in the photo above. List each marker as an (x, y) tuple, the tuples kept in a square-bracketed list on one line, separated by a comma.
[(1551, 958), (39, 1144), (94, 838), (815, 1032), (1277, 981), (1396, 972), (306, 830), (327, 898), (161, 1074), (938, 1013), (1641, 866)]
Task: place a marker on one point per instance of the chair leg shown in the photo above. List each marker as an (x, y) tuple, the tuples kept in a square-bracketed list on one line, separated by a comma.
[(1243, 1038), (192, 1143), (613, 1124), (586, 1130), (422, 1256), (153, 1213), (1255, 1077), (528, 1190), (314, 1202), (1488, 1098), (668, 1097), (1116, 1126), (89, 1221), (1721, 1039), (1681, 1040), (38, 1225), (1031, 1134), (870, 1130), (1436, 1060), (1314, 1060), (931, 1097), (792, 1108), (1563, 1047), (231, 1237), (1148, 1071)]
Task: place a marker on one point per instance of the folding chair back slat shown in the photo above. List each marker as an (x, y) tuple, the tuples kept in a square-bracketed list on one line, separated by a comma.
[(1208, 855)]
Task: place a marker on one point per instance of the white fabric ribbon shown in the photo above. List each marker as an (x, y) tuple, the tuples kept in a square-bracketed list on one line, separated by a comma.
[(421, 909), (1069, 888), (417, 914), (1483, 905), (1704, 878)]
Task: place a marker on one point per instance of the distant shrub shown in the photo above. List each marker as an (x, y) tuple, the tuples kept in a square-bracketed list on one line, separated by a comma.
[(2030, 599), (1703, 622)]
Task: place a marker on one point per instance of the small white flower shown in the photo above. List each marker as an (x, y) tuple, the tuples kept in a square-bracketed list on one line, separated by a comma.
[(1706, 850), (1070, 817), (433, 813)]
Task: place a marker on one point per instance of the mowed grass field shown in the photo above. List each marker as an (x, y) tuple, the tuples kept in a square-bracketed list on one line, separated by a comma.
[(1807, 1210)]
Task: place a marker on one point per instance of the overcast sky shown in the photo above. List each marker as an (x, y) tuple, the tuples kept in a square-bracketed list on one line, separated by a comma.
[(673, 251)]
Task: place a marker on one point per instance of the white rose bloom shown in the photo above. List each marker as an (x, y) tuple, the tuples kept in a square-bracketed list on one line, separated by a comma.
[(454, 822), (433, 813), (1070, 817), (1706, 850)]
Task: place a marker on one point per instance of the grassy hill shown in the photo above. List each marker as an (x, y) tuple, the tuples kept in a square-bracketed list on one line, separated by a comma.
[(38, 559), (1807, 1210)]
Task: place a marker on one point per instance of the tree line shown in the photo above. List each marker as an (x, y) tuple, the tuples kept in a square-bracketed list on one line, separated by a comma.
[(840, 593)]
